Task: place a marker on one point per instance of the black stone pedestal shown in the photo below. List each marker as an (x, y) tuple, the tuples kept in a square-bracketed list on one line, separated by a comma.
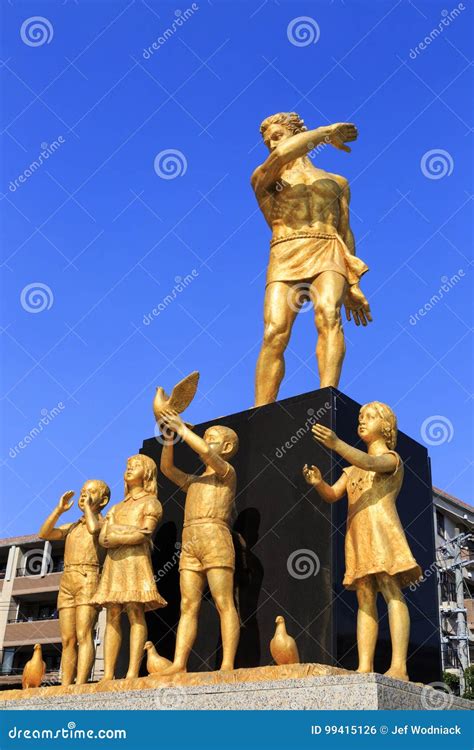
[(290, 544)]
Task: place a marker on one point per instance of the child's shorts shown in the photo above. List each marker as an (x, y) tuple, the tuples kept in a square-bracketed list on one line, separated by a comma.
[(78, 585), (206, 545)]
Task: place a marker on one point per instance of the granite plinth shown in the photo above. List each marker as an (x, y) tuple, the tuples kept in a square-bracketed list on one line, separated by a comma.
[(325, 691)]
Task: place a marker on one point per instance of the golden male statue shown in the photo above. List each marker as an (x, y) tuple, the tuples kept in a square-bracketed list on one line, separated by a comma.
[(82, 559), (207, 552), (312, 251)]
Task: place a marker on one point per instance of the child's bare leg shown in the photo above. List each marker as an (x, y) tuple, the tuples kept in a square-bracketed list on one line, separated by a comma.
[(138, 634), (191, 583), (399, 622), (85, 619), (367, 623), (67, 624), (112, 641), (221, 584)]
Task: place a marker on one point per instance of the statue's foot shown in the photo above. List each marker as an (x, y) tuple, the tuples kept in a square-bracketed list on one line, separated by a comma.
[(173, 669), (364, 670), (131, 675), (227, 668), (106, 678), (397, 674)]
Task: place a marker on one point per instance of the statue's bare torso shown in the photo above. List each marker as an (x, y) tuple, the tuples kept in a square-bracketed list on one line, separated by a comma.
[(304, 199)]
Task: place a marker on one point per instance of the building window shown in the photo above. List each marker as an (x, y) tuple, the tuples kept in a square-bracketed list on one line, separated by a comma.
[(440, 524)]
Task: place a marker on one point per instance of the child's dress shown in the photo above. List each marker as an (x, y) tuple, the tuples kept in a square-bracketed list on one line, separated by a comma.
[(127, 575), (375, 540)]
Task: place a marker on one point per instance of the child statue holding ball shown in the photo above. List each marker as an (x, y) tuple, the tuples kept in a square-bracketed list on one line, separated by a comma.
[(378, 557)]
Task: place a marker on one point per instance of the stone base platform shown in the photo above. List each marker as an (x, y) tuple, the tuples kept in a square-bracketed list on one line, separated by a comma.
[(292, 687)]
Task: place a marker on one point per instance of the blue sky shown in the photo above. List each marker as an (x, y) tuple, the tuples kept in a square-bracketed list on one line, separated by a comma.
[(108, 239)]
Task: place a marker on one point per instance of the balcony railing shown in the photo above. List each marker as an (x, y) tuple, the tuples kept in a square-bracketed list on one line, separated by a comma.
[(33, 618), (11, 671), (58, 567)]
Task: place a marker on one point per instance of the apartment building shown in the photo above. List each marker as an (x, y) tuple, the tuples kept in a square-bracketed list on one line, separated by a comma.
[(30, 570), (454, 542)]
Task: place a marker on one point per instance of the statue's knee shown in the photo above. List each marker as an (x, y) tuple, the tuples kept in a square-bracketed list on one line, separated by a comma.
[(83, 636), (327, 315), (68, 641), (275, 338), (190, 604)]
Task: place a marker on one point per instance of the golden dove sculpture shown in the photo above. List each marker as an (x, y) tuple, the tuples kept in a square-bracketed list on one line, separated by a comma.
[(283, 647), (154, 662), (34, 669), (181, 396)]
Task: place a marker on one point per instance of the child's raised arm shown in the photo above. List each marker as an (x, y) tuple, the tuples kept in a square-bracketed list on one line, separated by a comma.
[(385, 463), (329, 493), (173, 421), (48, 530)]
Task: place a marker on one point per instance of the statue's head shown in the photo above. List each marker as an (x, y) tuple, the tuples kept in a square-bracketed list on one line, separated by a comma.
[(222, 440), (377, 420), (280, 126), (141, 472), (98, 492)]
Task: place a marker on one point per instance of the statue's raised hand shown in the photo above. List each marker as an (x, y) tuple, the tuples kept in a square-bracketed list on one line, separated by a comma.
[(65, 502), (325, 436), (342, 132)]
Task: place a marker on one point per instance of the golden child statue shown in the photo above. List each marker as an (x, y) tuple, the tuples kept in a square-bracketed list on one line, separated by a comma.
[(378, 557), (127, 582), (207, 551), (312, 249), (82, 559)]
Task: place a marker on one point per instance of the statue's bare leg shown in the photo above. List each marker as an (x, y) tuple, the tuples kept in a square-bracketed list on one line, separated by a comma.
[(112, 641), (399, 622), (86, 616), (138, 634), (67, 626), (221, 585), (282, 302), (192, 585), (327, 293), (367, 623)]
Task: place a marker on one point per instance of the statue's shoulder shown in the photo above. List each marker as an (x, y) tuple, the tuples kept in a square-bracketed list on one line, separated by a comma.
[(255, 175), (343, 182)]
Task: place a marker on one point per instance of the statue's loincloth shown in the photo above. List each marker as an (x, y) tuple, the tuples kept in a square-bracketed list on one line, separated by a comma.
[(303, 255)]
